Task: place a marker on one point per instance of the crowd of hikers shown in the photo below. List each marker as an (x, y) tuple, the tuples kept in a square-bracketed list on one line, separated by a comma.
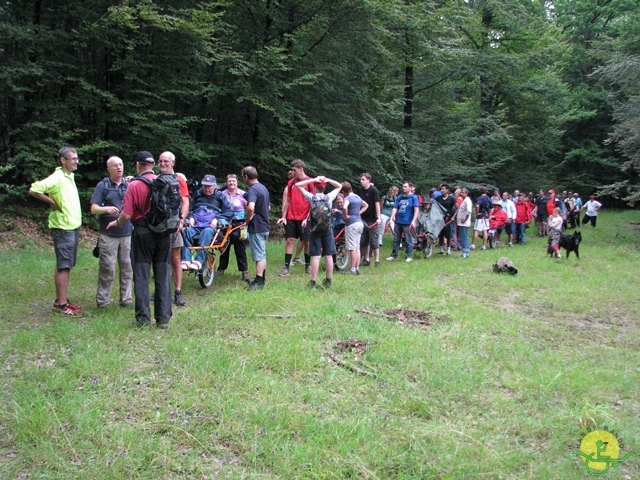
[(154, 223)]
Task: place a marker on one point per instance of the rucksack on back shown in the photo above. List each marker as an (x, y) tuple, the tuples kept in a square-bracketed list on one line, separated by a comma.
[(166, 204), (320, 217)]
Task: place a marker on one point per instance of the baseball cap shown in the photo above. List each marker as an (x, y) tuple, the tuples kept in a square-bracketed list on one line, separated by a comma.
[(321, 184), (497, 203), (144, 157), (208, 180), (552, 191)]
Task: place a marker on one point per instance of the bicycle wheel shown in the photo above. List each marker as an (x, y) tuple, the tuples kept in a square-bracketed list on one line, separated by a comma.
[(208, 271), (342, 255)]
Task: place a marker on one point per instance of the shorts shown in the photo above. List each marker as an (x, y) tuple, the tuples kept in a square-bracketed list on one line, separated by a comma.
[(481, 224), (446, 231), (258, 242), (294, 229), (542, 214), (370, 236), (176, 240), (352, 234), (65, 244), (322, 244)]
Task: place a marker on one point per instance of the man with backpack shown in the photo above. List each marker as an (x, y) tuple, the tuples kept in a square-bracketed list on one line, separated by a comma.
[(151, 238), (319, 223), (114, 245), (166, 162)]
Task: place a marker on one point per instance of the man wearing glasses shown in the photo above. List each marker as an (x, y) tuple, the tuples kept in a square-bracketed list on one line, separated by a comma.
[(60, 192), (114, 245)]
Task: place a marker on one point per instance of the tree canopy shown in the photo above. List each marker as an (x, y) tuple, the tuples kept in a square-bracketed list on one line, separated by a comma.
[(512, 93)]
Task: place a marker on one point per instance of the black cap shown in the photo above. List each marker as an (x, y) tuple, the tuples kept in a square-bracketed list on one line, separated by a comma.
[(144, 157)]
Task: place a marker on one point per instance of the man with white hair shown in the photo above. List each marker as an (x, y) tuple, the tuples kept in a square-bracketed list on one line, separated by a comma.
[(114, 245)]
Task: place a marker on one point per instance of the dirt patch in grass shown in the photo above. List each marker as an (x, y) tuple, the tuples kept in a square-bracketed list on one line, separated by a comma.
[(413, 318), (19, 232), (352, 345)]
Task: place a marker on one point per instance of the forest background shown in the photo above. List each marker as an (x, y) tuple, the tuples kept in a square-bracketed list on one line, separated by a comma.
[(512, 93)]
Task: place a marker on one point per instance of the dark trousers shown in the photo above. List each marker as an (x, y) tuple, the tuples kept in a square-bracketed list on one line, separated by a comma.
[(148, 251), (240, 249)]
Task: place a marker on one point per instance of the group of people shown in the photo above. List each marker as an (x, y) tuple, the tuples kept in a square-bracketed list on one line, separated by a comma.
[(126, 240), (309, 215)]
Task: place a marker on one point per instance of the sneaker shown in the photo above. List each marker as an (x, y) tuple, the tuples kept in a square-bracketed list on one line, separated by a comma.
[(465, 255), (357, 271), (178, 299), (390, 259), (298, 261), (472, 247), (448, 251), (483, 247), (350, 272), (326, 283), (559, 256), (245, 276), (511, 244), (312, 284), (283, 273), (73, 306), (365, 263), (409, 259), (65, 309), (185, 266), (195, 265)]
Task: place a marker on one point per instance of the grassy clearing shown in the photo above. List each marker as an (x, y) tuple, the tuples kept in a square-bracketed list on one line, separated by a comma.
[(243, 386)]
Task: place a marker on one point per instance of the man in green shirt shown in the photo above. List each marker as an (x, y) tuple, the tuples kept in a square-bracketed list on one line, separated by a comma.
[(60, 192)]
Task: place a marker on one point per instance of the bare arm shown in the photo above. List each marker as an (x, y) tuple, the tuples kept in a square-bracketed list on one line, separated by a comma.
[(285, 206), (104, 210)]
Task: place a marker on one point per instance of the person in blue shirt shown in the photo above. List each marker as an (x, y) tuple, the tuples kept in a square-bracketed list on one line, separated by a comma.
[(405, 215)]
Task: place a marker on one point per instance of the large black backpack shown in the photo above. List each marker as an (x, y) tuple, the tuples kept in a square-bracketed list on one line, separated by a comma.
[(320, 217), (166, 204)]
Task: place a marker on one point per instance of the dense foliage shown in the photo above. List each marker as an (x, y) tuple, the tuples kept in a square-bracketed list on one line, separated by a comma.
[(514, 93)]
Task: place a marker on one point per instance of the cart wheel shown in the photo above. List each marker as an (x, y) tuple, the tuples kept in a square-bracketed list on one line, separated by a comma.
[(492, 240), (428, 252), (342, 256), (208, 271)]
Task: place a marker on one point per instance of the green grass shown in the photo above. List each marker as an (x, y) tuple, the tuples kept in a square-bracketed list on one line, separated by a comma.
[(502, 385)]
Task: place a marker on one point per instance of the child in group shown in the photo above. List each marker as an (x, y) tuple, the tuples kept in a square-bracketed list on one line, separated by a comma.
[(554, 227)]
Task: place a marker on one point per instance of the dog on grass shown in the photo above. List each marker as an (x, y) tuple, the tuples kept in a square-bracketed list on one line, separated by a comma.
[(571, 243)]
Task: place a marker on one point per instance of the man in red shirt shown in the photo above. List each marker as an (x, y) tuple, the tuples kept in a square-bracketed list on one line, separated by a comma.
[(148, 250), (295, 210)]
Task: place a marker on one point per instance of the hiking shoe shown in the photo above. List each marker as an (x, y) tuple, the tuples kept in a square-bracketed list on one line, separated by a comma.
[(365, 263), (390, 259), (219, 272), (245, 276), (255, 285), (163, 326), (283, 273), (326, 283), (185, 266), (312, 284), (297, 260), (65, 309), (195, 265), (178, 299), (409, 259)]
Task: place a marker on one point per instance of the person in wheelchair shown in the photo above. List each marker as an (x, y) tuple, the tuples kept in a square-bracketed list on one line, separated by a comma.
[(422, 228), (210, 210), (497, 221)]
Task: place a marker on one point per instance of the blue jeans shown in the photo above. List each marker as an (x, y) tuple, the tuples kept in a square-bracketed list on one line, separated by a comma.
[(463, 238), (206, 235), (397, 237)]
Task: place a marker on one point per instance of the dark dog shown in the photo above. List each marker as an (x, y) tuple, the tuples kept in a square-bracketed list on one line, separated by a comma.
[(571, 243)]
